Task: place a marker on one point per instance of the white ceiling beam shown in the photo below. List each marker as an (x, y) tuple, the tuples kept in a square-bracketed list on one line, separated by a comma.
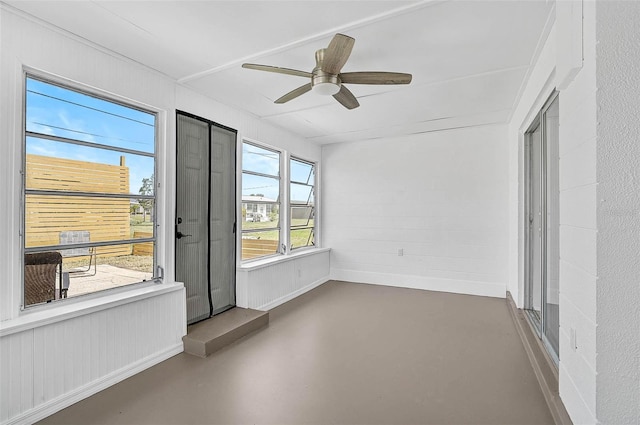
[(315, 37)]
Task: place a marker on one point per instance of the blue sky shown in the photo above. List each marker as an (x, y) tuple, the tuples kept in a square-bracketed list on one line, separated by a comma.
[(53, 110), (264, 161)]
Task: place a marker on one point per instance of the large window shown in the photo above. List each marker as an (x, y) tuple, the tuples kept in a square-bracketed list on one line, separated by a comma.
[(262, 192), (301, 203), (89, 193), (260, 201)]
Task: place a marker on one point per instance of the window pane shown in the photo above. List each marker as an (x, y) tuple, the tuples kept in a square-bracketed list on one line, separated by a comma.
[(302, 204), (53, 165), (96, 269), (301, 238), (260, 201), (58, 111), (259, 244), (80, 195), (301, 194), (302, 217), (259, 160), (260, 189), (50, 219), (261, 219), (301, 172)]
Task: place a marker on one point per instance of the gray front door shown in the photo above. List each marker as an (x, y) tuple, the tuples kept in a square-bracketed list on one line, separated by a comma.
[(205, 216), (222, 220)]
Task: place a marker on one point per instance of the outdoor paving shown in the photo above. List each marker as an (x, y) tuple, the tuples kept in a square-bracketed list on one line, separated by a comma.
[(106, 277)]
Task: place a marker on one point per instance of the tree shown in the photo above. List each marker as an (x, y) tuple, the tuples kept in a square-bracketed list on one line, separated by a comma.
[(146, 189)]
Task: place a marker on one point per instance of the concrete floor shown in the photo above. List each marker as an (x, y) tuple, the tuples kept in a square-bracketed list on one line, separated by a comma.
[(343, 353)]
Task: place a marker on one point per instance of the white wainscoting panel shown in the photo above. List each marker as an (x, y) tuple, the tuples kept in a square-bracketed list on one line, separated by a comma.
[(263, 286), (47, 368)]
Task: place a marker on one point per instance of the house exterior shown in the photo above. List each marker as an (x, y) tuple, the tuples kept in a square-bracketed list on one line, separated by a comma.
[(257, 208)]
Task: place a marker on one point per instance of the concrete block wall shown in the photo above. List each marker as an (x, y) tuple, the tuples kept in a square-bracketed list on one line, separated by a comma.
[(617, 334), (599, 372), (578, 232), (440, 198)]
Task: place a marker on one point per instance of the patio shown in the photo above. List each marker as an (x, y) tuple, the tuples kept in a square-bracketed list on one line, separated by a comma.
[(106, 277)]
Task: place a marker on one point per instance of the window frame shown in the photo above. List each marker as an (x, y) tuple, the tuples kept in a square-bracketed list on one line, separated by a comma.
[(66, 84), (281, 220), (284, 206), (314, 210)]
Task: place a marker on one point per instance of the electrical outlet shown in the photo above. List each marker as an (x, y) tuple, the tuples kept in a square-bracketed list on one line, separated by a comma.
[(572, 339), (400, 252)]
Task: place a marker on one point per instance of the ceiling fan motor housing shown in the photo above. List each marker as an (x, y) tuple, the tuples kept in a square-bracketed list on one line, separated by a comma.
[(323, 82)]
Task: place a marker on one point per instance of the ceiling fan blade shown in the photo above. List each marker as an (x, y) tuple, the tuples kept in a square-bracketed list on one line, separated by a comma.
[(375, 78), (346, 98), (336, 55), (277, 70), (294, 93)]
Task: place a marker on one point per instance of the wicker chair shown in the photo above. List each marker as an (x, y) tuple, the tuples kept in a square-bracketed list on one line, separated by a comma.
[(40, 272)]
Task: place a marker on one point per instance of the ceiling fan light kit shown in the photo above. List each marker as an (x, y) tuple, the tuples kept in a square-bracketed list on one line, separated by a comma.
[(326, 78), (324, 84)]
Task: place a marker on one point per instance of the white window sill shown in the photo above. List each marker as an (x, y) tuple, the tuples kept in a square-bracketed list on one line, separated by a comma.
[(64, 310), (266, 262)]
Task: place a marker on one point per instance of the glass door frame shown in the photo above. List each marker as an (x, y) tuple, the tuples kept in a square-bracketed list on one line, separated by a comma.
[(537, 323)]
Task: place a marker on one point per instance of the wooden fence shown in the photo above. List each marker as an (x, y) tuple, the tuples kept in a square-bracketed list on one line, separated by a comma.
[(252, 248), (47, 215), (145, 248)]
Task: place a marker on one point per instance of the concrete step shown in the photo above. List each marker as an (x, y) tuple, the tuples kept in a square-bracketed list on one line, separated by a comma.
[(210, 335)]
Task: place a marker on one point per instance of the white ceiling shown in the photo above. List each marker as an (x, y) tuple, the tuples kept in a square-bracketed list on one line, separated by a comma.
[(468, 58)]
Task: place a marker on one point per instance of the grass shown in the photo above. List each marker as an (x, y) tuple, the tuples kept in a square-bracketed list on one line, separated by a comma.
[(137, 225), (140, 263), (298, 237)]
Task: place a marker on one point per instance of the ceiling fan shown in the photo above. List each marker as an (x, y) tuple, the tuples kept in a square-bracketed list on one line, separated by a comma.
[(326, 78)]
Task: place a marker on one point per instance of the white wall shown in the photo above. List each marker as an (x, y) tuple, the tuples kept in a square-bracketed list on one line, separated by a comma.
[(618, 212), (55, 355), (578, 232), (577, 368), (441, 197), (599, 377)]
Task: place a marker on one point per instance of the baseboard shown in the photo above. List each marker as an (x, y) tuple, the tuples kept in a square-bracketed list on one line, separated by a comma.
[(467, 287), (292, 295), (543, 367), (49, 408)]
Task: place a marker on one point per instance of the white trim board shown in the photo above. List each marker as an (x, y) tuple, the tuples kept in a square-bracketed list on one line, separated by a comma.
[(292, 295), (467, 287)]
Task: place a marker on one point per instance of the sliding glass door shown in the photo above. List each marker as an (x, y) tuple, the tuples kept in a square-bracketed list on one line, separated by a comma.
[(542, 259)]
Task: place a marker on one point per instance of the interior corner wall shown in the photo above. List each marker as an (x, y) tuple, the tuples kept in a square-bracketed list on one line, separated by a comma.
[(618, 212), (75, 348), (425, 211), (578, 228)]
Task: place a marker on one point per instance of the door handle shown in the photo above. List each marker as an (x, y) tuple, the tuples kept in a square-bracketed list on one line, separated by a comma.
[(180, 235)]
